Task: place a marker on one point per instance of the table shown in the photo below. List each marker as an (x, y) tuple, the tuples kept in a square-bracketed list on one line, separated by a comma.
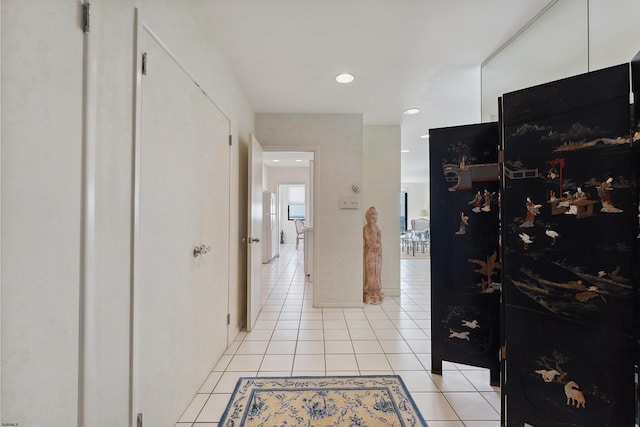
[(411, 242), (584, 208)]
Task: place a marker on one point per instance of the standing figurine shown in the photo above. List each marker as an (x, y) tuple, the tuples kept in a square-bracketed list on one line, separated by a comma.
[(372, 258)]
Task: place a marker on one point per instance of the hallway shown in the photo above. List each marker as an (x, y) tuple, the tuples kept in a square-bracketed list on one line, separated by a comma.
[(293, 338)]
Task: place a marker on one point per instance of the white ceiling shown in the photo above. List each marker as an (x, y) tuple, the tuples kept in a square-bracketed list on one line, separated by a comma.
[(404, 53)]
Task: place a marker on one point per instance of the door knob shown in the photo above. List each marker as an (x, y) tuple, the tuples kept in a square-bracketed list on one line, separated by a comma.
[(250, 240), (201, 250)]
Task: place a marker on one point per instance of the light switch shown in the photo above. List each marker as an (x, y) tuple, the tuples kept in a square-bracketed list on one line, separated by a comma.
[(349, 203)]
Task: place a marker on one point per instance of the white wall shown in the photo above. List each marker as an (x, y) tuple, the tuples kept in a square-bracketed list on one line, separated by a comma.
[(381, 189), (41, 198), (279, 176), (336, 140), (41, 171), (418, 199), (106, 372)]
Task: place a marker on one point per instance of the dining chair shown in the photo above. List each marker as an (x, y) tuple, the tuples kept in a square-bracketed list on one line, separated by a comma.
[(299, 223)]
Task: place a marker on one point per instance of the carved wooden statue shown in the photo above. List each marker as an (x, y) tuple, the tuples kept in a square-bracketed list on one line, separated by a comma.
[(372, 258)]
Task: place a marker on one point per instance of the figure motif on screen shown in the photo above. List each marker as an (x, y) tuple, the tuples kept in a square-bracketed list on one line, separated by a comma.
[(464, 221), (476, 202), (486, 207), (574, 396), (604, 192), (532, 211)]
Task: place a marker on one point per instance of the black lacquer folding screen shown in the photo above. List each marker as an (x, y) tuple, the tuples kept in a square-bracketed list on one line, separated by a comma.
[(465, 263), (635, 136), (570, 239)]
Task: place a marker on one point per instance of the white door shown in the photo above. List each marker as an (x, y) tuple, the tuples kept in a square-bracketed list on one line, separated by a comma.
[(182, 201), (254, 231)]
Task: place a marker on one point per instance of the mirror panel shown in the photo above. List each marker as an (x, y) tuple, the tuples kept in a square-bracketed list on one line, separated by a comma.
[(569, 37)]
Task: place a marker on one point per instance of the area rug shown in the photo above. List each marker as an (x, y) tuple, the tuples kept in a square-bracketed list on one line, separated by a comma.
[(340, 401)]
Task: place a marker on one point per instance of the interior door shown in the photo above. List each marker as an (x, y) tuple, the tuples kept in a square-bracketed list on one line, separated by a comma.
[(181, 241), (254, 231)]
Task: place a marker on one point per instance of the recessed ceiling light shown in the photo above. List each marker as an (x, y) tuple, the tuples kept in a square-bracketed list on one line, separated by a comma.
[(411, 111), (404, 151), (345, 78), (298, 160), (275, 160), (424, 136)]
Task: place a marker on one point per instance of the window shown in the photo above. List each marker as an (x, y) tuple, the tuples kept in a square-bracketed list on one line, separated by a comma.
[(403, 211), (295, 212)]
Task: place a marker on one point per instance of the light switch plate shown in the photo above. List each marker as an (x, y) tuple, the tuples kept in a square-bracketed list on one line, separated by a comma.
[(349, 203)]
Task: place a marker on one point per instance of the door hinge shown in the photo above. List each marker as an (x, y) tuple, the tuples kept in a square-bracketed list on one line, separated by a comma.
[(228, 319), (86, 16), (139, 421), (230, 140), (144, 63), (503, 352), (500, 156)]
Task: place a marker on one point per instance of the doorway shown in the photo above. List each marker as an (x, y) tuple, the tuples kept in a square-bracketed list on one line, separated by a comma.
[(267, 170), (289, 174)]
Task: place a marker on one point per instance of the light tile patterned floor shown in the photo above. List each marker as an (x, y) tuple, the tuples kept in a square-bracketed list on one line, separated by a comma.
[(291, 337)]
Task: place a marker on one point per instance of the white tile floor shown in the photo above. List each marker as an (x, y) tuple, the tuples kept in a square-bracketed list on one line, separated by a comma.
[(291, 337)]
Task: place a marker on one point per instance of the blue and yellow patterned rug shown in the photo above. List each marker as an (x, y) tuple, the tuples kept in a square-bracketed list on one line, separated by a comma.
[(354, 401)]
